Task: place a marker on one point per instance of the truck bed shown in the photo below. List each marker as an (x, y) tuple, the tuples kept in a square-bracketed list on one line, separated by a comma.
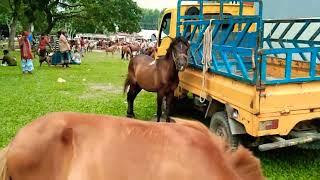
[(290, 103)]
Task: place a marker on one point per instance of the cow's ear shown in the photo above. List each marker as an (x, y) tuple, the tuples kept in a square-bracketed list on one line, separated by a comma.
[(246, 165), (67, 136)]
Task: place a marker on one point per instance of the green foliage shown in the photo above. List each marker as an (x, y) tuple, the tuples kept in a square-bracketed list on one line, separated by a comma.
[(99, 16), (150, 18), (112, 15), (83, 15)]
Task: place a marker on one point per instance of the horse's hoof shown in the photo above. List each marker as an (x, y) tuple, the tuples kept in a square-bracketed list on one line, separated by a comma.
[(130, 115)]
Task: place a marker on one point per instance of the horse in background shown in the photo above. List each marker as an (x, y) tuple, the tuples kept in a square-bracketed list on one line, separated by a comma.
[(150, 51), (91, 46), (111, 49), (159, 76), (126, 52), (135, 49)]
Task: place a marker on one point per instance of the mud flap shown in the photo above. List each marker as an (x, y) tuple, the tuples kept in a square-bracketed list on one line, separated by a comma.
[(235, 127)]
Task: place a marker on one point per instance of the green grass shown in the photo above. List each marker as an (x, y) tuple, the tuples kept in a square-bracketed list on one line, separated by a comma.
[(26, 97)]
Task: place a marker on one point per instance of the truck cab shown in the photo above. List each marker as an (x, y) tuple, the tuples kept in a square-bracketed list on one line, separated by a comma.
[(168, 24)]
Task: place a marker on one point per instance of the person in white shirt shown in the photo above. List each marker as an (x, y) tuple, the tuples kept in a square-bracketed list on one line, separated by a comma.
[(76, 57)]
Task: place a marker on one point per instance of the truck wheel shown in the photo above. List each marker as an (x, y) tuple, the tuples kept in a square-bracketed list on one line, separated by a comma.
[(220, 126)]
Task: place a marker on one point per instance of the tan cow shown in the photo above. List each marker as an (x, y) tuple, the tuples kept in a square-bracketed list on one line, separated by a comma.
[(73, 146)]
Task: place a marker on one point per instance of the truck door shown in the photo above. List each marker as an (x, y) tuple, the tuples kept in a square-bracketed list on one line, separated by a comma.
[(165, 35)]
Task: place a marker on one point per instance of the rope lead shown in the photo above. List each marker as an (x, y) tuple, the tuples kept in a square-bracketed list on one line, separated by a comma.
[(206, 59)]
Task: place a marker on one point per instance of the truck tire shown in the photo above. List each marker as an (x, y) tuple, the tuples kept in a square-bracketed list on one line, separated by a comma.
[(219, 125)]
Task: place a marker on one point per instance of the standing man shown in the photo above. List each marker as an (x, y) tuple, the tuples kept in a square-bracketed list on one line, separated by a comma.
[(26, 54), (64, 49), (44, 42), (82, 46)]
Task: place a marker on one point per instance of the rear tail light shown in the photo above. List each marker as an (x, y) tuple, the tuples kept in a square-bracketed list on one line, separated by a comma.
[(249, 3), (268, 125)]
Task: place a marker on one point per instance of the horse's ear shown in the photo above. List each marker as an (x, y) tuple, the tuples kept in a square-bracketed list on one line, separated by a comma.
[(188, 44), (67, 136), (246, 165), (185, 41)]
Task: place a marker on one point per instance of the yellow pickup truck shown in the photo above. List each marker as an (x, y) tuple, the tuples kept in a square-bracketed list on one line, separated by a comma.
[(261, 86)]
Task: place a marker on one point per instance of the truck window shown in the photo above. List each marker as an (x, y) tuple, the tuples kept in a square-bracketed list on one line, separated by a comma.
[(208, 16), (192, 11), (165, 27)]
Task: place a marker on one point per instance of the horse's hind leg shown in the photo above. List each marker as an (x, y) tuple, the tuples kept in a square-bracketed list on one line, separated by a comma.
[(131, 96)]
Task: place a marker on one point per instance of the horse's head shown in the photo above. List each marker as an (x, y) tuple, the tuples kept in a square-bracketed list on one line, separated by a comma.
[(179, 51)]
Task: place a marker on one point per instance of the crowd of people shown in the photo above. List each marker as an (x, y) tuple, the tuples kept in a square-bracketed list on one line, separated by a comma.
[(52, 50), (58, 50)]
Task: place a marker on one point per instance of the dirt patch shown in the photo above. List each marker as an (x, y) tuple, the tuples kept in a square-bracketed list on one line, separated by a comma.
[(96, 90), (105, 87)]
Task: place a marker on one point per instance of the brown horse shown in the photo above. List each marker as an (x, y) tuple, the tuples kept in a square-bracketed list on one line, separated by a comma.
[(150, 51), (135, 49), (91, 46), (159, 76), (111, 49), (126, 52)]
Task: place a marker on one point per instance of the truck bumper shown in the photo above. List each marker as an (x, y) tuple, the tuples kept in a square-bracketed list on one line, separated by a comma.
[(307, 138)]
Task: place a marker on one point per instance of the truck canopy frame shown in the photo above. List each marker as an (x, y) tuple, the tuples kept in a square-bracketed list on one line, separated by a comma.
[(244, 51)]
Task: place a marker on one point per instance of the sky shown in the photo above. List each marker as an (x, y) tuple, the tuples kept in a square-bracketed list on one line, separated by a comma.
[(272, 8), (156, 4)]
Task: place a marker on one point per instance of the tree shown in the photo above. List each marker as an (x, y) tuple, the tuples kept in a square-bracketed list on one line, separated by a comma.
[(14, 12), (113, 15), (86, 15), (150, 19), (57, 10), (80, 15)]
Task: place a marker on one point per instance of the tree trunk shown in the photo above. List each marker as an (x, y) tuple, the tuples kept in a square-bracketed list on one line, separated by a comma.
[(12, 33), (30, 27), (50, 21), (49, 28)]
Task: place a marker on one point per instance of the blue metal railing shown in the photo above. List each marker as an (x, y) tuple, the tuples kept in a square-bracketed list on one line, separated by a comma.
[(288, 60), (234, 53), (290, 24), (244, 53), (292, 46)]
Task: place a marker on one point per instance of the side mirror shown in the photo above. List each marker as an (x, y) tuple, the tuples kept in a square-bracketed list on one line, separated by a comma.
[(153, 37)]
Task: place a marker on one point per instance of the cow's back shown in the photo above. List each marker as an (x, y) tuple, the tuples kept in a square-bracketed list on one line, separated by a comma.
[(102, 147), (41, 150)]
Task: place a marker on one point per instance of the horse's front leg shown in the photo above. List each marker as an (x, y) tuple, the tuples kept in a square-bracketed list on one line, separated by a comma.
[(159, 106), (169, 99)]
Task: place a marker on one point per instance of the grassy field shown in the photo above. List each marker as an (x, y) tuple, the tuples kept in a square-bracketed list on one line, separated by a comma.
[(96, 87)]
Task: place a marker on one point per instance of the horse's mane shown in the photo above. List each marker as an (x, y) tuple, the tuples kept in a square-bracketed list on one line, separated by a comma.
[(174, 42)]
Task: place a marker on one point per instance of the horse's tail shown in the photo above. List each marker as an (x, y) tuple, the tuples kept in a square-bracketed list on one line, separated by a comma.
[(126, 85), (131, 52), (3, 164)]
